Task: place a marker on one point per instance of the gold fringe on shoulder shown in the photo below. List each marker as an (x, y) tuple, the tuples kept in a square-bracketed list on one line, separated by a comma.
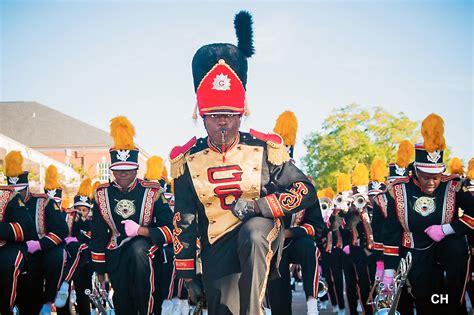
[(13, 164), (177, 166), (278, 156), (456, 167), (277, 153)]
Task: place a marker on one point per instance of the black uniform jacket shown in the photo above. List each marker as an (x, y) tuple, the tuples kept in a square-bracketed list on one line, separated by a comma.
[(144, 203), (16, 226), (409, 211), (49, 225)]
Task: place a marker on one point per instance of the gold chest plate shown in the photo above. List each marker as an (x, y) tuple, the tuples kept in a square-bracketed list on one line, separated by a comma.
[(219, 183)]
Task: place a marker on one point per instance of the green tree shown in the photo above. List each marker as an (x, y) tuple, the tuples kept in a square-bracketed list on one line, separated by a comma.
[(354, 135)]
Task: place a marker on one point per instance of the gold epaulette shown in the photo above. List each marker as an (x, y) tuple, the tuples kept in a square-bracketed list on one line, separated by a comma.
[(276, 150), (178, 158)]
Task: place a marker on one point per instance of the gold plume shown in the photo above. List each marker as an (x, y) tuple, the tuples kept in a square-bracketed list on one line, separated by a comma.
[(164, 174), (432, 130), (360, 175), (329, 193), (51, 179), (378, 171), (122, 131), (13, 164), (154, 168), (85, 189), (286, 126), (456, 167), (343, 182), (94, 187), (405, 153), (65, 203)]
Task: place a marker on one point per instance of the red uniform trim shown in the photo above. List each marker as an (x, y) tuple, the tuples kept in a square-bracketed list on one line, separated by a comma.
[(274, 205), (378, 246), (18, 232), (309, 229), (167, 234), (181, 150), (390, 250), (16, 273), (267, 137), (75, 263), (98, 257), (467, 220), (53, 238), (184, 264)]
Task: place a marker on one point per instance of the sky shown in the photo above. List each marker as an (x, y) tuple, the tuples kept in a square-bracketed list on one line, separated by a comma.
[(94, 60)]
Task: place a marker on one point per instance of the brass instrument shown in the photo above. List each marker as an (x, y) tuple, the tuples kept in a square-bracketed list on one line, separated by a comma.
[(341, 203), (99, 296), (322, 287), (387, 303), (360, 201)]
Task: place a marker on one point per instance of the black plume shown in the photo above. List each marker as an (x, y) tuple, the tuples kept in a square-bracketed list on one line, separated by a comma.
[(243, 30)]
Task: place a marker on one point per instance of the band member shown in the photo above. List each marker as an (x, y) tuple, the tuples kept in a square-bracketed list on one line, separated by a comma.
[(422, 218), (46, 255), (361, 237), (77, 267), (52, 187), (155, 172), (231, 187), (301, 229), (130, 223), (15, 228)]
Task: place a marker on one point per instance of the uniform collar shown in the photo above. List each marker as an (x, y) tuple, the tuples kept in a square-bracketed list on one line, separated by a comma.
[(129, 188)]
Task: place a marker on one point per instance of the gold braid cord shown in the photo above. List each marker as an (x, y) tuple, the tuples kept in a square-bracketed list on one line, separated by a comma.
[(272, 236)]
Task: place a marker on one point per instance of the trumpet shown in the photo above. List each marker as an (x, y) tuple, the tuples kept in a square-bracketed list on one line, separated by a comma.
[(322, 287), (387, 303), (99, 296), (340, 203), (360, 201)]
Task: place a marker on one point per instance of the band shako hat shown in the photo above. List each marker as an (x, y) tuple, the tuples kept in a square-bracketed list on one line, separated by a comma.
[(84, 194), (429, 154), (16, 177), (378, 172), (124, 154), (405, 155), (287, 126), (220, 71), (52, 187)]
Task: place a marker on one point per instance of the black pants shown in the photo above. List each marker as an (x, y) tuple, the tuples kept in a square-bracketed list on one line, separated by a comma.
[(80, 273), (164, 280), (427, 278), (133, 278), (327, 275), (302, 251), (334, 272), (236, 268), (350, 279), (44, 270), (361, 265), (12, 262)]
